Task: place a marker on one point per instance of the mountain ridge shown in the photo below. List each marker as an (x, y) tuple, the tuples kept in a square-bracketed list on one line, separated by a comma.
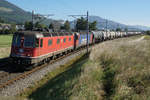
[(101, 24), (14, 14)]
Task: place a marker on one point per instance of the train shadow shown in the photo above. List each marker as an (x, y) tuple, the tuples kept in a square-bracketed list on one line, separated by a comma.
[(7, 66), (57, 88), (4, 59)]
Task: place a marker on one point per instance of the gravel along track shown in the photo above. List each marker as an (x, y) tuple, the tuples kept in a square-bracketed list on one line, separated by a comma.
[(28, 80), (19, 85)]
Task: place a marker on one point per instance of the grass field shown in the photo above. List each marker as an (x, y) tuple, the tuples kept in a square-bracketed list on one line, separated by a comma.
[(114, 70), (126, 65), (5, 40), (56, 85), (5, 43)]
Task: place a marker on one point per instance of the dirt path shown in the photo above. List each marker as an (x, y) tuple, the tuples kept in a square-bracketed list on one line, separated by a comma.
[(138, 40), (4, 52)]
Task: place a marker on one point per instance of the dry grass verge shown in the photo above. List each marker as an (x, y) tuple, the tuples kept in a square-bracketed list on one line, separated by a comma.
[(55, 85), (77, 80), (114, 70), (126, 67), (5, 44), (90, 85), (4, 52)]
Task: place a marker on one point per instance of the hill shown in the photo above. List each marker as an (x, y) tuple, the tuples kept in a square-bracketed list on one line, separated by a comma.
[(11, 13), (113, 25), (101, 24)]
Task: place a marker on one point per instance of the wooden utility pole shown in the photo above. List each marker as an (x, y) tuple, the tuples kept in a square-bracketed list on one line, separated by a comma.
[(87, 27), (87, 31), (32, 19), (39, 17), (106, 27)]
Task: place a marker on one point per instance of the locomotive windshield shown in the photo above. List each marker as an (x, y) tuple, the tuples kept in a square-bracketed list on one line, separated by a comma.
[(25, 41), (16, 40), (29, 41)]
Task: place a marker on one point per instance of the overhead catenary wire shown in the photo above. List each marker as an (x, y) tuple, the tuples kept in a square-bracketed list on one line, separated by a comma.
[(39, 17), (87, 27)]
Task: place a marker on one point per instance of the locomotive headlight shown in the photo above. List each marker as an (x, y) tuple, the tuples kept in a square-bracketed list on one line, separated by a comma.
[(21, 50)]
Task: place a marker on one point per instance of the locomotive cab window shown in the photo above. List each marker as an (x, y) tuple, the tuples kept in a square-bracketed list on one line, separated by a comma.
[(37, 43), (58, 41), (49, 42), (16, 40), (28, 41), (41, 43), (64, 40), (70, 39)]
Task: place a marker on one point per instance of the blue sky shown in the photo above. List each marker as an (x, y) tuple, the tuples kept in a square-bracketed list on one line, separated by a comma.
[(131, 12)]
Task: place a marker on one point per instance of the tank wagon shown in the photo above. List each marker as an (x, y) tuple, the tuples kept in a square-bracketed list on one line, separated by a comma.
[(100, 36), (33, 47)]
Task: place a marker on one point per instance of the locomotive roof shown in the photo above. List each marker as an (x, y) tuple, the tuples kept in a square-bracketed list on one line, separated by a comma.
[(42, 34)]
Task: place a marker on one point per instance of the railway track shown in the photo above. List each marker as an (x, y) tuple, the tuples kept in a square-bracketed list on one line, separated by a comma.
[(8, 78), (3, 74)]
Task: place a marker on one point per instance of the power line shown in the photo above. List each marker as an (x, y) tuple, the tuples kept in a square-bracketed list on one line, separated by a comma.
[(106, 27), (87, 28), (39, 17), (76, 16)]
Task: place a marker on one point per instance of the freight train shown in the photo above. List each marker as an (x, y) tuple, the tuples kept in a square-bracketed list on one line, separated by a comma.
[(33, 47)]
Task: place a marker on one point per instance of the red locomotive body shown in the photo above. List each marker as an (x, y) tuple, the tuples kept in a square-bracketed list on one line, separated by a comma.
[(31, 47)]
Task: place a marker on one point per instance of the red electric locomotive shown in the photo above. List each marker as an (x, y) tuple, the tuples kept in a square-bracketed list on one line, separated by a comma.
[(30, 47)]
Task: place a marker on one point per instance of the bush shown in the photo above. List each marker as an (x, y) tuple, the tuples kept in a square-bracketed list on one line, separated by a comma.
[(8, 31), (125, 67), (148, 32)]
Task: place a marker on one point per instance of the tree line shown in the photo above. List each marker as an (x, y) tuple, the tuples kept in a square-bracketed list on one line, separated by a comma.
[(148, 32), (8, 30), (11, 30), (56, 26), (81, 24)]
